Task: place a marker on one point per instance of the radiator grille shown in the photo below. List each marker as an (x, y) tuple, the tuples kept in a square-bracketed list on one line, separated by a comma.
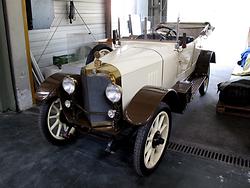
[(95, 100)]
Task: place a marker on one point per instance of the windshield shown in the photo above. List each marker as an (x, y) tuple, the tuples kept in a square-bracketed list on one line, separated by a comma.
[(134, 27)]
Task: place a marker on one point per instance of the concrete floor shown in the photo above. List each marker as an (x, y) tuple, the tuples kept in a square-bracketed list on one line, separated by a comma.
[(27, 160), (201, 125)]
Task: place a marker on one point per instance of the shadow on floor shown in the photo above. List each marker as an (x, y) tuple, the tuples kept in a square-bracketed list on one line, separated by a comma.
[(27, 160)]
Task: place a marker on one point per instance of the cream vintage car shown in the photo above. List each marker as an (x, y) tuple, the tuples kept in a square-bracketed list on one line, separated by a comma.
[(129, 91)]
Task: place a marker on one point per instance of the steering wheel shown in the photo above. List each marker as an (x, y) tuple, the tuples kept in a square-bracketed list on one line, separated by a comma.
[(169, 33), (152, 36)]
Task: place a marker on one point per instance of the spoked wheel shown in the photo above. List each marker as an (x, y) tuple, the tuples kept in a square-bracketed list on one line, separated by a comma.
[(103, 50), (151, 141), (53, 123), (204, 86)]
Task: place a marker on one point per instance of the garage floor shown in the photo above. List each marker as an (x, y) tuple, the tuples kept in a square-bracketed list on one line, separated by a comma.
[(27, 160), (202, 126)]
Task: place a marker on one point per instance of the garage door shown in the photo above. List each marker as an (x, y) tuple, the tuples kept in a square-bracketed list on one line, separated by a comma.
[(65, 38)]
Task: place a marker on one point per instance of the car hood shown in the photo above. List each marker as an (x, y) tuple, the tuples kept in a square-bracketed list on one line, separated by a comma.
[(133, 56), (139, 64)]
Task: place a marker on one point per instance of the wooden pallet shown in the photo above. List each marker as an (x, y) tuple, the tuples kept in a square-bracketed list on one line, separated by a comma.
[(242, 111)]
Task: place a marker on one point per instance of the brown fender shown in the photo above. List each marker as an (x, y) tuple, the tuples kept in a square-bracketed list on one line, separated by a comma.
[(144, 104), (204, 59), (50, 87)]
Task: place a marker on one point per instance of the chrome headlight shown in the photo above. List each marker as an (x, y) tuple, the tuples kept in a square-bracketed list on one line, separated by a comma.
[(113, 93), (69, 84)]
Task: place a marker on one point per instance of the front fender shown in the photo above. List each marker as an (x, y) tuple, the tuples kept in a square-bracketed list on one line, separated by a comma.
[(50, 87), (142, 107)]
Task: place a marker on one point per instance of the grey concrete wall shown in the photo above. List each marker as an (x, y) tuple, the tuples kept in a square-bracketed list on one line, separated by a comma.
[(7, 98), (18, 53)]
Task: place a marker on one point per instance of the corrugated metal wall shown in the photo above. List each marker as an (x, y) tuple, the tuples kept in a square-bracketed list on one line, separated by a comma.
[(68, 38)]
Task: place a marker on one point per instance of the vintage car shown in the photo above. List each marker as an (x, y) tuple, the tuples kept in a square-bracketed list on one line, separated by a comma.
[(130, 90)]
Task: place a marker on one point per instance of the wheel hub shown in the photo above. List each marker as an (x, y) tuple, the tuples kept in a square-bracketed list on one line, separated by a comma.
[(157, 140), (62, 117)]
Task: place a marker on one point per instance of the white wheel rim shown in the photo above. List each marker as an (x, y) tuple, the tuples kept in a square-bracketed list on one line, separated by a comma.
[(55, 126), (103, 52), (206, 85), (153, 154)]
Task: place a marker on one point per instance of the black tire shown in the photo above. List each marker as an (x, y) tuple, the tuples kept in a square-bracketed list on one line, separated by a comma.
[(204, 86), (98, 47), (143, 134), (45, 112)]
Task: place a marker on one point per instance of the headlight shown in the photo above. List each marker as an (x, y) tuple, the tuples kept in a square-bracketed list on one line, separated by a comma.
[(69, 85), (113, 93)]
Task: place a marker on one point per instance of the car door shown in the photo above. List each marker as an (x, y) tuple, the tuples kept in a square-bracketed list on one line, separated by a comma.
[(187, 57), (185, 60)]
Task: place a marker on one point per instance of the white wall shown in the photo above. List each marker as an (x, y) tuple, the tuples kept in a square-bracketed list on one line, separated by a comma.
[(142, 8), (230, 18), (122, 9), (68, 38)]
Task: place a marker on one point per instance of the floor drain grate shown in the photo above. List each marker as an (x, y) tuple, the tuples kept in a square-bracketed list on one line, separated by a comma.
[(208, 154)]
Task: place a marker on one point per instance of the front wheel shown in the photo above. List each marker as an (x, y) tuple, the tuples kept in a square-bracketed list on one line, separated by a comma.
[(151, 141), (53, 123)]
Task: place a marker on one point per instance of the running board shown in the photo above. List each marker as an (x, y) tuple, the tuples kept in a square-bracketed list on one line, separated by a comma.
[(187, 89), (191, 85), (196, 83)]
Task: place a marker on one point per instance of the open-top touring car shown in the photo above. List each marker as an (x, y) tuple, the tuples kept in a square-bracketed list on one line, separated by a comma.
[(130, 89)]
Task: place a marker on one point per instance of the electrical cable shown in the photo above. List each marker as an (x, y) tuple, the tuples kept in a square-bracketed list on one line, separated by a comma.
[(50, 40), (89, 31)]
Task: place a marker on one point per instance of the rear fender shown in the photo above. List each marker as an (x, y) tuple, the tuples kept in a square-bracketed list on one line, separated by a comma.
[(142, 107), (205, 58)]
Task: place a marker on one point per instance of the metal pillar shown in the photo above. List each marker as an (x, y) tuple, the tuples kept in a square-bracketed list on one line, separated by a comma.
[(108, 18), (18, 53), (7, 96)]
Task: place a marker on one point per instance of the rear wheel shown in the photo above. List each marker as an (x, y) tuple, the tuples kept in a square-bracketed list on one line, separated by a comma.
[(53, 123), (151, 141), (103, 50), (204, 86)]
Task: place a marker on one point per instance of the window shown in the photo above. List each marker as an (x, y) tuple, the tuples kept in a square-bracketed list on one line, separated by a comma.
[(40, 14)]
